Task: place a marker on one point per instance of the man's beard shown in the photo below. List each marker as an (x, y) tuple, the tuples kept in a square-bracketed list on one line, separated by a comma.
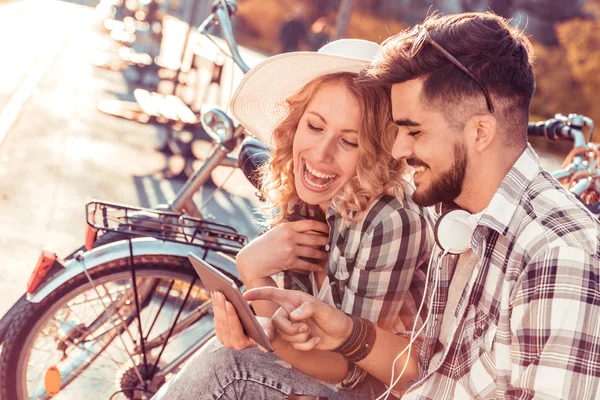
[(448, 186)]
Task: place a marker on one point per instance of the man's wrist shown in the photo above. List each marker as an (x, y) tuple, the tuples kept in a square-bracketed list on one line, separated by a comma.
[(279, 344), (348, 326)]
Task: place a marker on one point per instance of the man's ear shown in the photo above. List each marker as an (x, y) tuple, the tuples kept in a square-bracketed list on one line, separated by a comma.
[(483, 130)]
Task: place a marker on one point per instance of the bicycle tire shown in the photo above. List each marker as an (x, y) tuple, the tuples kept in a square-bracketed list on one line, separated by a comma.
[(22, 332), (12, 312)]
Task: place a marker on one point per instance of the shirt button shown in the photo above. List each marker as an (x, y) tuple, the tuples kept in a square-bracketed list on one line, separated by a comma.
[(338, 305), (327, 248), (332, 284)]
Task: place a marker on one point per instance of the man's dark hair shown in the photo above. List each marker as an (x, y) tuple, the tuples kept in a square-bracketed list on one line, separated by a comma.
[(499, 55)]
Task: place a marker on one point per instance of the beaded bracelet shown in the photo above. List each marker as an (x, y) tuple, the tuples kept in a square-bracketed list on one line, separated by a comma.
[(359, 343)]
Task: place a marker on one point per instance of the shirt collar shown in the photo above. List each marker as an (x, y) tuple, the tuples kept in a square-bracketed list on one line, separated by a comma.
[(510, 196), (330, 213)]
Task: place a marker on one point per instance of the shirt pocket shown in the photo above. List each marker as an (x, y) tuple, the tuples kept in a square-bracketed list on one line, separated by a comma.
[(479, 375), (484, 331)]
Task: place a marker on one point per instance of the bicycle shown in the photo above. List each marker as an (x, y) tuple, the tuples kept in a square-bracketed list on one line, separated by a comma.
[(580, 170), (126, 306)]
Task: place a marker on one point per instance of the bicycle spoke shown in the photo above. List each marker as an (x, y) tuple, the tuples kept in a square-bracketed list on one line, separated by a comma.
[(118, 313), (173, 327), (164, 300), (114, 326), (120, 317), (138, 313), (105, 354)]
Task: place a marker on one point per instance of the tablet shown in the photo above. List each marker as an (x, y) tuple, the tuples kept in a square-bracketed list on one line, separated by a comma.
[(215, 281)]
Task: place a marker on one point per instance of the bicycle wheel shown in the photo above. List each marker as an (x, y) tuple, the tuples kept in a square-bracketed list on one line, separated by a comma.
[(91, 333)]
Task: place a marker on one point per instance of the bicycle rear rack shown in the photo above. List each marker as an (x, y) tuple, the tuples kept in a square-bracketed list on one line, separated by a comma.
[(132, 221)]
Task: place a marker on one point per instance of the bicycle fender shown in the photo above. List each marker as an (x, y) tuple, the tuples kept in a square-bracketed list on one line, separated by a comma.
[(117, 250)]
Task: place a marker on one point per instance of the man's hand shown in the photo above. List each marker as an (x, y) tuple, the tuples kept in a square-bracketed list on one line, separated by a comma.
[(280, 249), (228, 327), (304, 321)]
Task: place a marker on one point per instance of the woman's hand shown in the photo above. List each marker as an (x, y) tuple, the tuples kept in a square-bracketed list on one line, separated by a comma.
[(303, 320), (228, 327), (281, 249)]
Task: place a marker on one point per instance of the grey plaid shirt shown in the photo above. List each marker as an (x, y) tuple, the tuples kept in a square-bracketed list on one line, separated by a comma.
[(376, 266), (528, 322)]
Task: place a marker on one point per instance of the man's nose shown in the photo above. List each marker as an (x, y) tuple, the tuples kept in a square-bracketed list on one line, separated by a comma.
[(403, 147)]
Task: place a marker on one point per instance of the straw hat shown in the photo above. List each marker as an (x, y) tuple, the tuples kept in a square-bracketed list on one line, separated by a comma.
[(259, 101)]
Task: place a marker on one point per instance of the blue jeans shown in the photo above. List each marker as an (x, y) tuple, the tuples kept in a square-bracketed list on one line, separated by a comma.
[(215, 372)]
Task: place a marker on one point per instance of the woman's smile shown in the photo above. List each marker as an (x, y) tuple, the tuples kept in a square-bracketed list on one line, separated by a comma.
[(316, 180)]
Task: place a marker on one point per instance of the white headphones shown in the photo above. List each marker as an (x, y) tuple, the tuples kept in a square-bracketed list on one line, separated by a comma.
[(453, 231)]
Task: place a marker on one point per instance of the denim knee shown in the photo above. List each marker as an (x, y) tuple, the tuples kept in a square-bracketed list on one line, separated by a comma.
[(216, 372)]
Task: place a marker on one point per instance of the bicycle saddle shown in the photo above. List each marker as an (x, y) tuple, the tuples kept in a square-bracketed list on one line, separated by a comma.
[(253, 154)]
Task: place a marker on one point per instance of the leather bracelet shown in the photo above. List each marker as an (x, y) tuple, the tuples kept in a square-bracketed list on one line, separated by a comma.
[(367, 345), (360, 341)]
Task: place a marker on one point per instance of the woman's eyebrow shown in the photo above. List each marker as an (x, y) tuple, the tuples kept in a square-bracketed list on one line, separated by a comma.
[(325, 121), (318, 115)]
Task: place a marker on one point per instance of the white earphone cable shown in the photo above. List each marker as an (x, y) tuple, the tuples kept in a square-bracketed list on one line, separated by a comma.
[(413, 336)]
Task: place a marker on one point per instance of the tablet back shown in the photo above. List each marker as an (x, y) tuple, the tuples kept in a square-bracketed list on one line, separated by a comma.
[(215, 281)]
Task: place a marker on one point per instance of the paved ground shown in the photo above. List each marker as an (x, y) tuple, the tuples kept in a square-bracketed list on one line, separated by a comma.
[(58, 152)]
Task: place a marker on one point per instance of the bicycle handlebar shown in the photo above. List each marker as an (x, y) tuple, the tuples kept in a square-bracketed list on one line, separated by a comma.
[(562, 127), (552, 129), (222, 12)]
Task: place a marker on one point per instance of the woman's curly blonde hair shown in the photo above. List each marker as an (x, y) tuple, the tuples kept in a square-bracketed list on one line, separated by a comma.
[(377, 172)]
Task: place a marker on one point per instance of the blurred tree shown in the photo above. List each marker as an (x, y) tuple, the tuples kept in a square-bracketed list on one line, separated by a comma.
[(567, 75), (581, 40), (556, 88), (568, 78)]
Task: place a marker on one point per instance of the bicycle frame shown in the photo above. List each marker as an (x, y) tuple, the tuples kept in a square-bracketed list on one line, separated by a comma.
[(220, 156), (580, 170), (577, 165)]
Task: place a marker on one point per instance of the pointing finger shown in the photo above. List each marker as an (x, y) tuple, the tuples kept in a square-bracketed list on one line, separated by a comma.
[(289, 299)]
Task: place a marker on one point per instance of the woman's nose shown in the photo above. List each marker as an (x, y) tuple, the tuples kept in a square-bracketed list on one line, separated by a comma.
[(324, 150)]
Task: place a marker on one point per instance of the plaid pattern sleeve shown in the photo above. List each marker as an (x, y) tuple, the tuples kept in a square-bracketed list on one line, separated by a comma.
[(556, 327), (381, 267), (390, 252)]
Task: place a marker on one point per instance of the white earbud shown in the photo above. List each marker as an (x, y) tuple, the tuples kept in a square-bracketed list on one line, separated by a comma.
[(453, 231)]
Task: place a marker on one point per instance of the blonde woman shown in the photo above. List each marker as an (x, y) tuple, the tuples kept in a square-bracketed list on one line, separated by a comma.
[(343, 227)]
